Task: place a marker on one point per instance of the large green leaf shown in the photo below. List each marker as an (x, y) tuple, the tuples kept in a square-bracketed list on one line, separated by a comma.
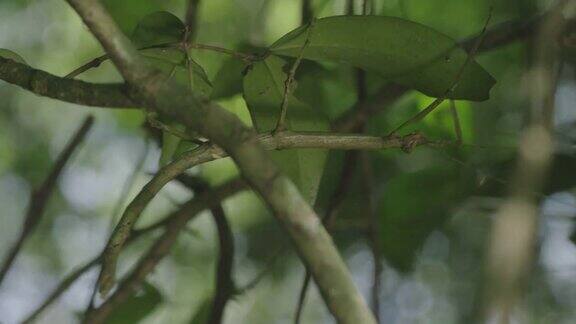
[(137, 307), (228, 80), (6, 53), (127, 13), (263, 91), (400, 50), (158, 28)]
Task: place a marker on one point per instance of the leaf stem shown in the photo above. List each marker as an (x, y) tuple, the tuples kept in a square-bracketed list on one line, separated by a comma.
[(281, 125)]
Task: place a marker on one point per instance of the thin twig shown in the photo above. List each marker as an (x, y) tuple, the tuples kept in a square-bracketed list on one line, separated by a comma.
[(96, 62), (72, 277), (61, 288), (39, 197), (161, 248), (129, 184), (90, 65), (281, 125), (302, 298), (374, 231), (240, 55), (456, 120), (225, 287)]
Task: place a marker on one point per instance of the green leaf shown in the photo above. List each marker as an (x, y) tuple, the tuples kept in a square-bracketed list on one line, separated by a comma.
[(173, 62), (177, 67), (263, 91), (158, 28), (228, 80), (127, 13), (330, 90), (6, 53), (414, 205), (399, 50), (137, 307), (170, 145)]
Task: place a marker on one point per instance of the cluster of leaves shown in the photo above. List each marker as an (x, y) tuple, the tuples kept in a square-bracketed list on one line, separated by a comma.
[(393, 49), (397, 50)]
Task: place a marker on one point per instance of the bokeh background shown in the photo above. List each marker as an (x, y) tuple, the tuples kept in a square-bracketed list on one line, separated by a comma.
[(435, 204)]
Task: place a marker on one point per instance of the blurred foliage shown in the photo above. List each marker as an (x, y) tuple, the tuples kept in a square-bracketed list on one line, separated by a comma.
[(434, 205)]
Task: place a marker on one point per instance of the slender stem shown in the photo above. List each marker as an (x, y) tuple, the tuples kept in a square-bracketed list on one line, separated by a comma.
[(61, 288), (72, 277), (39, 197), (129, 184), (225, 288), (456, 119), (135, 208), (161, 247), (243, 56), (281, 125), (374, 231), (302, 297), (94, 63)]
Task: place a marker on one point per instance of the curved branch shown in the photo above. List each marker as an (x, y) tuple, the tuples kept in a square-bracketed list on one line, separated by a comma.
[(224, 289), (227, 191), (161, 248), (209, 152), (65, 89)]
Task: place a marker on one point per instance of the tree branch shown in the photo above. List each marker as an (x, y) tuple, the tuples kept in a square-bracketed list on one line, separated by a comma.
[(64, 89), (135, 234), (39, 197), (208, 152), (225, 287), (161, 248)]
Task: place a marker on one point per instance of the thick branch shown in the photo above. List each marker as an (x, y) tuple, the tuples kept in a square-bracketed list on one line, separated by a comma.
[(64, 89), (39, 197), (227, 131)]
